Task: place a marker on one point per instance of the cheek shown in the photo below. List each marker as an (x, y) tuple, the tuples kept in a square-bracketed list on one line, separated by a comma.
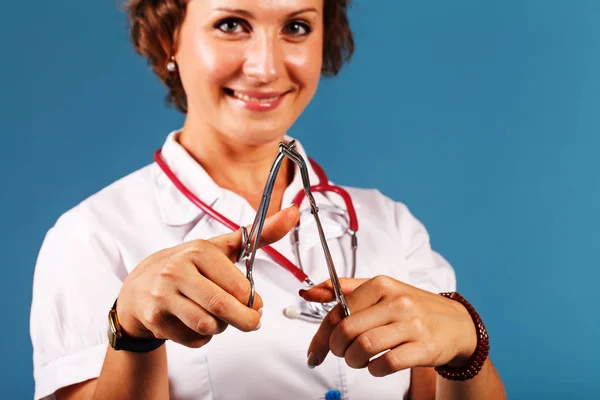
[(306, 63), (208, 64)]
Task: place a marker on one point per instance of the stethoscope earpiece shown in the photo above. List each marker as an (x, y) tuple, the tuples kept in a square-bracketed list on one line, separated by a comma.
[(295, 312)]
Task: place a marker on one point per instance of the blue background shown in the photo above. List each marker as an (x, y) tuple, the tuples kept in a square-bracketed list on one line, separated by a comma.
[(482, 116)]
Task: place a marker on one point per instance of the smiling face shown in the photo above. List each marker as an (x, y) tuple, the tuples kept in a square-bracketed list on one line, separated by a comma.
[(250, 67)]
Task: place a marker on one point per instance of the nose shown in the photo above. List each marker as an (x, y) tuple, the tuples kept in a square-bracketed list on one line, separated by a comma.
[(264, 59)]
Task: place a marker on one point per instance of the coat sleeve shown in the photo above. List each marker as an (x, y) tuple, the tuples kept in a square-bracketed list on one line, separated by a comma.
[(77, 276), (426, 269)]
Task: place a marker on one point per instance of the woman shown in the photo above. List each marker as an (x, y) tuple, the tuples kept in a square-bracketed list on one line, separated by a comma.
[(243, 71)]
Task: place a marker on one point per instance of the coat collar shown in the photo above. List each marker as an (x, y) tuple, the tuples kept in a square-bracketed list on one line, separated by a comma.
[(176, 210)]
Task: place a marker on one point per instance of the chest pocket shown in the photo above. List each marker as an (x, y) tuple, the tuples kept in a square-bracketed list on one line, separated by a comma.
[(189, 374)]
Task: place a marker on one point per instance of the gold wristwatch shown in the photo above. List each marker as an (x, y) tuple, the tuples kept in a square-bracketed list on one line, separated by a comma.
[(120, 341)]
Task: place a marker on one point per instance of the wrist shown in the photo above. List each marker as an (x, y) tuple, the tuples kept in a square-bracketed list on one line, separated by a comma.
[(461, 361), (468, 367), (120, 340), (468, 344), (129, 325)]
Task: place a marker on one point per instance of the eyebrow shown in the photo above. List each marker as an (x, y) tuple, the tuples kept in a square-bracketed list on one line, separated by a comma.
[(248, 14)]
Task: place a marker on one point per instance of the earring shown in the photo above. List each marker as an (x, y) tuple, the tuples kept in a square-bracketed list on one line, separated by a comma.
[(171, 66)]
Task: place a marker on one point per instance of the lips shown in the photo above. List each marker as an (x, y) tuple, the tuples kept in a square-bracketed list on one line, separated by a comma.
[(256, 100)]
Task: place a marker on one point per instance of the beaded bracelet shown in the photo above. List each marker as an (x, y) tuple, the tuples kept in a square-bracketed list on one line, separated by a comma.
[(481, 351)]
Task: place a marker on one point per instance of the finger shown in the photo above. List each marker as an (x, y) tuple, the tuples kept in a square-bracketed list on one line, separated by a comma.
[(403, 357), (359, 322), (219, 303), (370, 343), (171, 328), (195, 317), (362, 298), (274, 229), (214, 265), (324, 293)]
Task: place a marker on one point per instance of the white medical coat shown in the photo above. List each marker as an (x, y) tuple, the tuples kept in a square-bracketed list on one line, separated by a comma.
[(91, 248)]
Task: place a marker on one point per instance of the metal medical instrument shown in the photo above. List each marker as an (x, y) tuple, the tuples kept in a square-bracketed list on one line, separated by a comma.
[(248, 251)]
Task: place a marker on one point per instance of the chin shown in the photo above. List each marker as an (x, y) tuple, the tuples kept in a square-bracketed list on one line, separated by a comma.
[(257, 129), (258, 133)]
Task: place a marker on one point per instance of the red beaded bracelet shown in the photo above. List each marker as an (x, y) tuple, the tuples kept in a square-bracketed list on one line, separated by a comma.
[(481, 351)]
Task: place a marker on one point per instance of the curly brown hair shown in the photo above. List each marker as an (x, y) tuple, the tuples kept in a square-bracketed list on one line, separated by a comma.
[(154, 24)]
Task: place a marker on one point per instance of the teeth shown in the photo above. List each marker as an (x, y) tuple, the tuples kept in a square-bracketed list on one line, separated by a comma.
[(249, 99)]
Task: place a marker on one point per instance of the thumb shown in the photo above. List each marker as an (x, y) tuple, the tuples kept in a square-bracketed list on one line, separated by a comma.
[(274, 229), (323, 292)]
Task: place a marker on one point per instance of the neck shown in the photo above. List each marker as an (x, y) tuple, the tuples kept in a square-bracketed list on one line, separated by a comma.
[(240, 167)]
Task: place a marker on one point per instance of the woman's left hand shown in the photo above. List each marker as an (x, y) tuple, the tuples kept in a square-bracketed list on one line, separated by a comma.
[(419, 328)]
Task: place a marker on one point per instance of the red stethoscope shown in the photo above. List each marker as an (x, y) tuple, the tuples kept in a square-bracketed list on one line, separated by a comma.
[(323, 186)]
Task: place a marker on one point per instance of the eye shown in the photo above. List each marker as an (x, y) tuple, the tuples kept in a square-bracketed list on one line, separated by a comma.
[(230, 25), (297, 28)]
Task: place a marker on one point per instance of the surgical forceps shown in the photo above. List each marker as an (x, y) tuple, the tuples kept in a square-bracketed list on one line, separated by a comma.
[(248, 250)]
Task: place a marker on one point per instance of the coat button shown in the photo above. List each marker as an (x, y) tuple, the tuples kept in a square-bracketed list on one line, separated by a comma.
[(333, 395)]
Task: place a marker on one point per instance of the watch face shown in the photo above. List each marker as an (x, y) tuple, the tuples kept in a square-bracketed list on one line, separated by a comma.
[(112, 339), (113, 332), (113, 322)]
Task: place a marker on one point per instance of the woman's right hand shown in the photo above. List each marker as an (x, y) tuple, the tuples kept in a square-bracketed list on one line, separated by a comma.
[(192, 291)]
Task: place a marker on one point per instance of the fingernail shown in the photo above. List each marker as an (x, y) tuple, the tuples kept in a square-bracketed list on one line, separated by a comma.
[(301, 292), (260, 311), (259, 325), (313, 360)]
